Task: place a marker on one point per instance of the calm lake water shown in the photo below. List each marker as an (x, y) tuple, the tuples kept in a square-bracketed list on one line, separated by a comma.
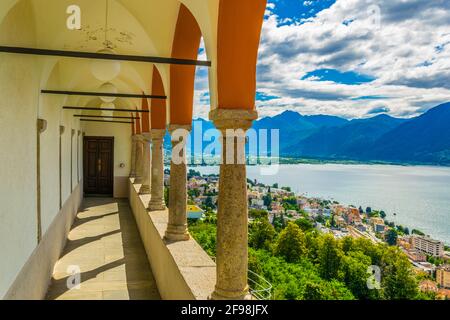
[(419, 195)]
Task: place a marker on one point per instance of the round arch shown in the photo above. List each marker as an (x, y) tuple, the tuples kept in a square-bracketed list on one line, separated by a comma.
[(186, 43)]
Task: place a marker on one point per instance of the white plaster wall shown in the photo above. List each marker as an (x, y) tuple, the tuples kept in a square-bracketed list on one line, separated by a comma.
[(39, 23), (65, 156), (18, 109), (21, 104), (49, 107)]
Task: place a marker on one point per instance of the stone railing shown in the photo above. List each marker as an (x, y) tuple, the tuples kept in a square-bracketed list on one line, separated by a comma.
[(182, 270)]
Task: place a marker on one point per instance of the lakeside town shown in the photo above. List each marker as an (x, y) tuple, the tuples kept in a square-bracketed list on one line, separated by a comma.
[(429, 257)]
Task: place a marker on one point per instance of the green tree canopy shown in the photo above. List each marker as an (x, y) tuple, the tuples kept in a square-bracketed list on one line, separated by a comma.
[(391, 237), (261, 234), (291, 243), (330, 256), (304, 224), (398, 281), (354, 266), (258, 214)]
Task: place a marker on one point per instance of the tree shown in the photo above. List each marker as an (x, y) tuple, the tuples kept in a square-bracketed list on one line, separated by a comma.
[(323, 290), (205, 234), (398, 281), (329, 257), (304, 224), (279, 222), (418, 232), (209, 202), (368, 210), (261, 234), (354, 267), (320, 219), (361, 211), (258, 214), (333, 221), (166, 195), (347, 244), (275, 185), (382, 214), (192, 173), (374, 251), (194, 193), (291, 243), (391, 237), (267, 198)]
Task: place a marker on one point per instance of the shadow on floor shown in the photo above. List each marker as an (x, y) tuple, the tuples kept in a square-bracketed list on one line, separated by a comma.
[(104, 245)]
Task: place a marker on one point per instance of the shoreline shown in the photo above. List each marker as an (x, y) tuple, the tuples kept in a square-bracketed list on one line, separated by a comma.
[(356, 162), (395, 225), (293, 161), (389, 212)]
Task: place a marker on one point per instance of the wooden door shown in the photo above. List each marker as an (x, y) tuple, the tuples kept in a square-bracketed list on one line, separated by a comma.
[(98, 165)]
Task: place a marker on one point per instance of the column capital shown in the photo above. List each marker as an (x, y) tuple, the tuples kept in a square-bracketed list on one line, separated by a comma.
[(147, 136), (61, 130), (174, 127), (139, 137), (233, 118), (158, 134)]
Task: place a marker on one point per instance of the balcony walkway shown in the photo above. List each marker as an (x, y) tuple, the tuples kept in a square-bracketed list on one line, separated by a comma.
[(104, 243)]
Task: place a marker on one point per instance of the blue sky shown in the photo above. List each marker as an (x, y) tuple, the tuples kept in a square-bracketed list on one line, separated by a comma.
[(294, 11), (353, 59), (336, 76)]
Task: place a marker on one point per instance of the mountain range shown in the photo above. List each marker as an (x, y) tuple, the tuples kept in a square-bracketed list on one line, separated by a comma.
[(423, 140)]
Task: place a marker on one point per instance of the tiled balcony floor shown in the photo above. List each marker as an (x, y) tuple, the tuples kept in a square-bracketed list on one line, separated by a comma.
[(104, 244)]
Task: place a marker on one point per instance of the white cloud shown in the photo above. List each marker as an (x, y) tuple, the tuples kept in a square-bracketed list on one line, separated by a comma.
[(398, 49), (406, 47)]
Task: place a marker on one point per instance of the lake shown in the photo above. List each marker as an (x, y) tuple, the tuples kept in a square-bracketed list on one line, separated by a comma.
[(419, 195)]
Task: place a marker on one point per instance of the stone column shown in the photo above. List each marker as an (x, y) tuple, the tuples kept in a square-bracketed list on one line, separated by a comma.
[(157, 190), (139, 158), (177, 225), (232, 216), (146, 164), (133, 157)]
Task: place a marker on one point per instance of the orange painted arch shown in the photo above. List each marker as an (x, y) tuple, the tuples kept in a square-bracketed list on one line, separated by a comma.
[(185, 46), (158, 118), (239, 31)]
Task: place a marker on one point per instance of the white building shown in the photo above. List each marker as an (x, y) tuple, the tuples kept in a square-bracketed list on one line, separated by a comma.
[(257, 203), (427, 245)]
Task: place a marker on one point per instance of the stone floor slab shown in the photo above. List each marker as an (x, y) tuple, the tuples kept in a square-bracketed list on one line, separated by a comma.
[(105, 248)]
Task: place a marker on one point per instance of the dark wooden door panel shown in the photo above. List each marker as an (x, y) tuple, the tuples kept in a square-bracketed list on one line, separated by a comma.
[(98, 165)]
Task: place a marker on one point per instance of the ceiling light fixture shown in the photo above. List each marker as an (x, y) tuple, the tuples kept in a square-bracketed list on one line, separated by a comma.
[(106, 70), (108, 87)]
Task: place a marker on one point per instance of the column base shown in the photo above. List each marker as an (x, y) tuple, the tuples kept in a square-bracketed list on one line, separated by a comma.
[(220, 294), (177, 233), (144, 189), (156, 206)]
